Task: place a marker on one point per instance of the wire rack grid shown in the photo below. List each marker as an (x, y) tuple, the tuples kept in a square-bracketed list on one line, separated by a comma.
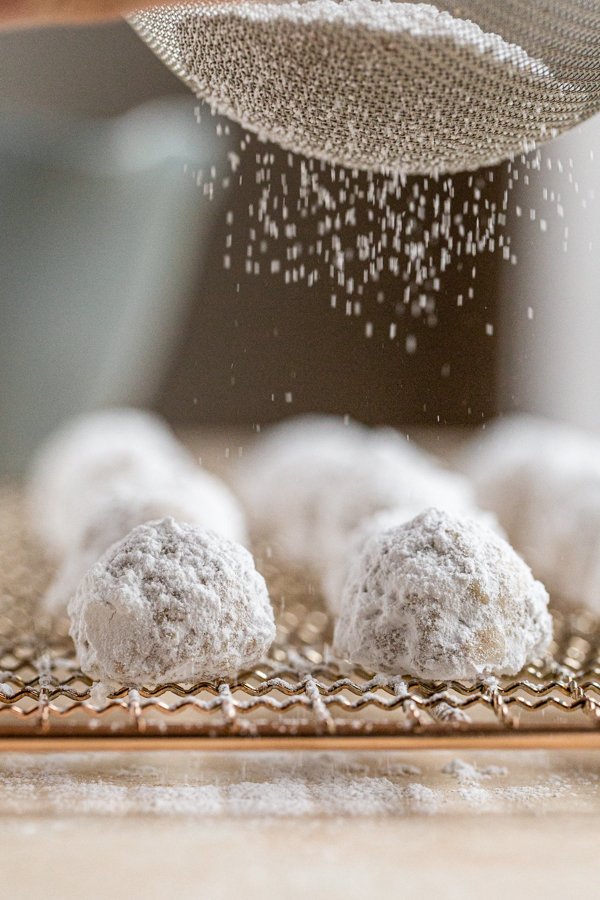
[(300, 697)]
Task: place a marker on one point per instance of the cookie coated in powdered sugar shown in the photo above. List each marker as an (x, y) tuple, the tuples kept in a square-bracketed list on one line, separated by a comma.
[(385, 473), (334, 577), (501, 460), (542, 479), (200, 499), (310, 481), (442, 597), (281, 478), (86, 455), (560, 536), (171, 602)]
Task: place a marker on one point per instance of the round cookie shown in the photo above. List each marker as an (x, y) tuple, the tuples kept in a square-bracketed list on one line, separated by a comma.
[(385, 473), (334, 577), (171, 602), (281, 478), (561, 540), (443, 598), (542, 479), (502, 460), (310, 482), (198, 499), (84, 457)]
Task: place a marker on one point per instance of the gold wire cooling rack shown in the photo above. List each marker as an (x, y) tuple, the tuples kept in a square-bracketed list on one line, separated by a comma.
[(299, 698)]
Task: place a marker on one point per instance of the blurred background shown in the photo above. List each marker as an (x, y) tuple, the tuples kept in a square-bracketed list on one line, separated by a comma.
[(113, 289)]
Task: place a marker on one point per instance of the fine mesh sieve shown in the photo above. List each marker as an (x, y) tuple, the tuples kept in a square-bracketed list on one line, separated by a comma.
[(379, 85)]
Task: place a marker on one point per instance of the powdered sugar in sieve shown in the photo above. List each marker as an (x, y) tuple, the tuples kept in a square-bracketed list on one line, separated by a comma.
[(381, 85)]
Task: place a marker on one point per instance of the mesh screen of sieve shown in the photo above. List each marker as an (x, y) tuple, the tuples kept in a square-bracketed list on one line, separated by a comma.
[(380, 85)]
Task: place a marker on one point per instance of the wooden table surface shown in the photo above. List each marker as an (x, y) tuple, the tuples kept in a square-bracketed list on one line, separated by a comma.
[(197, 825)]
